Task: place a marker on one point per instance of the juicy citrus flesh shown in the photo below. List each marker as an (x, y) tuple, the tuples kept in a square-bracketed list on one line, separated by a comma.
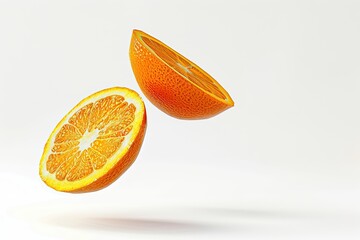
[(173, 83), (95, 142)]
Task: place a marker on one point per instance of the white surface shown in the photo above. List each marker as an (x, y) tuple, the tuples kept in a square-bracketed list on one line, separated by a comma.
[(282, 164)]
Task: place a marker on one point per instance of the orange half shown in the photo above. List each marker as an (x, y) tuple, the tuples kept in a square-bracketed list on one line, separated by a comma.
[(95, 142), (173, 83)]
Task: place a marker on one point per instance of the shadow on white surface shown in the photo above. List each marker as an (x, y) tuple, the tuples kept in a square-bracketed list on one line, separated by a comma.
[(124, 224), (255, 213), (206, 222)]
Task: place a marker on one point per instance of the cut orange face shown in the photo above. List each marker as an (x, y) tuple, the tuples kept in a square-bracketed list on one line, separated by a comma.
[(173, 83), (95, 142)]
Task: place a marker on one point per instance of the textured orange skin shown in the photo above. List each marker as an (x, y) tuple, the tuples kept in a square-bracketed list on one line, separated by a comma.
[(168, 90), (127, 160)]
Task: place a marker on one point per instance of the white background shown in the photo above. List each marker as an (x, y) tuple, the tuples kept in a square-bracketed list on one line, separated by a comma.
[(283, 163)]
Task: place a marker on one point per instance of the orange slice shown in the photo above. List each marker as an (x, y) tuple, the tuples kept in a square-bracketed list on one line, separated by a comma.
[(173, 83), (95, 142)]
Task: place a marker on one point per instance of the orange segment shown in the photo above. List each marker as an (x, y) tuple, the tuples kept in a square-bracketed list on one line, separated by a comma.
[(65, 146), (102, 110), (81, 167), (98, 160), (67, 132), (173, 83), (66, 165), (95, 142), (55, 160), (81, 118), (107, 147)]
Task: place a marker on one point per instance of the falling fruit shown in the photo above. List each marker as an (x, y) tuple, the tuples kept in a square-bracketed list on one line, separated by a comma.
[(173, 83), (96, 142)]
